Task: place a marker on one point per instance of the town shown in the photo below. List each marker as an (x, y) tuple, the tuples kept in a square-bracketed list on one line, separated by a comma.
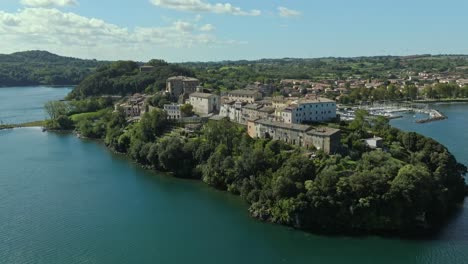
[(288, 119), (295, 111)]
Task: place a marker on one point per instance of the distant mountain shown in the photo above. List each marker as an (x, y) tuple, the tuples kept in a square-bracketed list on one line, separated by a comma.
[(44, 68)]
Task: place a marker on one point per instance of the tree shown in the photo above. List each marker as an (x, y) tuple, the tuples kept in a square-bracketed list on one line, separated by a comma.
[(186, 109), (153, 124), (54, 109)]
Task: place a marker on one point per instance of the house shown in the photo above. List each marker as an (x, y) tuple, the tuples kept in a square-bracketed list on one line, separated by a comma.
[(462, 82), (232, 110), (248, 96), (255, 111), (324, 138), (173, 111), (134, 106), (282, 102), (375, 142), (178, 85), (308, 110), (204, 103)]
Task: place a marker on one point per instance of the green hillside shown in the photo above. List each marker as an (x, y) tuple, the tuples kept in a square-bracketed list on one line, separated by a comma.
[(43, 68)]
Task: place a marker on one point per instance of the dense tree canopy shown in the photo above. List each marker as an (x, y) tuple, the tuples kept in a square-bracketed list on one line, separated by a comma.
[(125, 77), (43, 68), (412, 182)]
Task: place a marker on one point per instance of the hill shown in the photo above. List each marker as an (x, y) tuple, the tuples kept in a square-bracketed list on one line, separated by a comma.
[(125, 77), (44, 68)]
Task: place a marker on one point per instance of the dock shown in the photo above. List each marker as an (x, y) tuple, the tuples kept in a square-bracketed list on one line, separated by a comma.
[(434, 115)]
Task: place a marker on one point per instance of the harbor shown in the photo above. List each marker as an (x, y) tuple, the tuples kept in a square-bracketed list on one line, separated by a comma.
[(392, 111)]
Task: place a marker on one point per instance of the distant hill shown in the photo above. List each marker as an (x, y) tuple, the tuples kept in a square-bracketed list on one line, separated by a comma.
[(228, 75), (125, 77), (44, 68)]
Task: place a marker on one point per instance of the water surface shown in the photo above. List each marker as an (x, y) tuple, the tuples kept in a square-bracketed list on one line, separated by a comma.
[(26, 104)]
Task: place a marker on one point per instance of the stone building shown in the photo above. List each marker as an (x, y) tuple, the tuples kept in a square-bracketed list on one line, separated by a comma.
[(204, 103), (323, 138), (256, 111), (178, 85), (248, 96), (134, 106)]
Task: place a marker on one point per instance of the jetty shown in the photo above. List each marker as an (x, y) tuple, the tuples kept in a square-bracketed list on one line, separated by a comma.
[(434, 115)]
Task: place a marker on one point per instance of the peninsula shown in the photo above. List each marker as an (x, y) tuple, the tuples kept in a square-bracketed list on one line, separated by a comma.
[(289, 157)]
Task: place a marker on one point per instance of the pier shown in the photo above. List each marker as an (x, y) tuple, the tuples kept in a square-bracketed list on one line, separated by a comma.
[(434, 115)]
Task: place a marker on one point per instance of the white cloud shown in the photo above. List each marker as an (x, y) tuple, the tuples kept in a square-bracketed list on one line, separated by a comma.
[(203, 6), (286, 12), (183, 26), (49, 3), (198, 18), (207, 28), (54, 30)]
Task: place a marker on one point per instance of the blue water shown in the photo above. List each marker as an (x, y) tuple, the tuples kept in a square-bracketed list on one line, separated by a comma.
[(26, 104)]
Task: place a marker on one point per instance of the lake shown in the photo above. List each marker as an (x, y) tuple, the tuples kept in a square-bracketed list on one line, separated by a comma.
[(26, 104), (66, 200)]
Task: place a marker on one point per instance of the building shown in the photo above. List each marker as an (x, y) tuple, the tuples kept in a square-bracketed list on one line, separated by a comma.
[(204, 103), (256, 111), (178, 85), (282, 102), (309, 110), (248, 96), (375, 142), (134, 107), (232, 110), (146, 68), (173, 111), (323, 138)]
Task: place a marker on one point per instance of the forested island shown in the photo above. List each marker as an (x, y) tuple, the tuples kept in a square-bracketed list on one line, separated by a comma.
[(411, 182)]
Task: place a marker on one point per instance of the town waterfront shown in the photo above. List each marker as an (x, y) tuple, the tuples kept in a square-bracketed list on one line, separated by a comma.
[(66, 200), (26, 104)]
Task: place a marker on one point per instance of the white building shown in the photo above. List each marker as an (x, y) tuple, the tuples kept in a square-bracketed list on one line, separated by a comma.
[(309, 110), (173, 111), (232, 110), (204, 103), (375, 142)]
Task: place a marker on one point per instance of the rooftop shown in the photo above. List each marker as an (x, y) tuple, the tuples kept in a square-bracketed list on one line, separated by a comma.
[(323, 131), (182, 78), (297, 127), (202, 95), (243, 92), (315, 100), (253, 106)]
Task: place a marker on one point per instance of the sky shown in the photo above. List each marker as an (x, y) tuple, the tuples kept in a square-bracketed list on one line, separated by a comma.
[(214, 30)]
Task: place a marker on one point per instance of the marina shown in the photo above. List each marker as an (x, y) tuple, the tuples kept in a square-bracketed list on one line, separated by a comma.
[(392, 111)]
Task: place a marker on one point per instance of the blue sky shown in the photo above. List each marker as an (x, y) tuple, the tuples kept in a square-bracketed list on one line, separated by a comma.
[(212, 30)]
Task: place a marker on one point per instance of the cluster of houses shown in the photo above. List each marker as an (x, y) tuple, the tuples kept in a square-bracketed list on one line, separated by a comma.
[(135, 106), (281, 118)]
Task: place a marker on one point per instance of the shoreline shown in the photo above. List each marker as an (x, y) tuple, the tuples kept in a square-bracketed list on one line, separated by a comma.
[(423, 233), (39, 123), (431, 101), (42, 85)]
